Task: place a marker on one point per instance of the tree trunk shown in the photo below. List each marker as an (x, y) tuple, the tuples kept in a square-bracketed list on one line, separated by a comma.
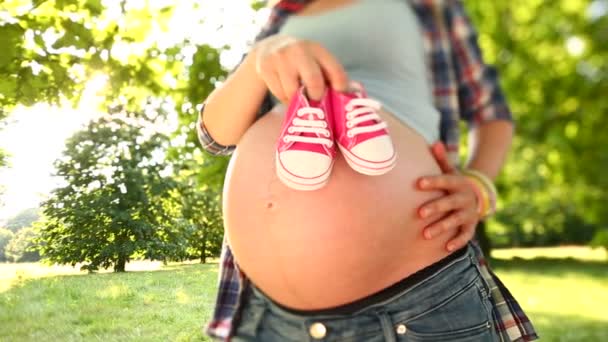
[(119, 266), (203, 252), (203, 244)]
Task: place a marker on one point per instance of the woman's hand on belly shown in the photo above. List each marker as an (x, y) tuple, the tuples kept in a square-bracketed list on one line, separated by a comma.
[(457, 209)]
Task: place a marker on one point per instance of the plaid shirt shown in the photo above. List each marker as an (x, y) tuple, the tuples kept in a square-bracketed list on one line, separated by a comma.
[(464, 89)]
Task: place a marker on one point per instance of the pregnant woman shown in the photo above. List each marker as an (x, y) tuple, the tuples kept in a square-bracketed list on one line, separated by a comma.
[(349, 261)]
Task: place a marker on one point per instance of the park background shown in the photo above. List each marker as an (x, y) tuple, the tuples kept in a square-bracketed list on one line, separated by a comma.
[(101, 172)]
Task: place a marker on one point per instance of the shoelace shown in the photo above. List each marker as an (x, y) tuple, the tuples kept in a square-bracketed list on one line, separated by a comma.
[(313, 123), (367, 110)]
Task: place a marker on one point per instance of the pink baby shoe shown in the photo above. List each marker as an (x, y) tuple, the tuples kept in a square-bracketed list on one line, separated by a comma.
[(361, 134), (305, 150)]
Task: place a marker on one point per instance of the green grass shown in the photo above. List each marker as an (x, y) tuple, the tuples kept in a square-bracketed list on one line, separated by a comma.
[(581, 253), (40, 303), (564, 290)]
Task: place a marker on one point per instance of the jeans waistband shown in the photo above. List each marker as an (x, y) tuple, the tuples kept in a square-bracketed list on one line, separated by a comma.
[(379, 297)]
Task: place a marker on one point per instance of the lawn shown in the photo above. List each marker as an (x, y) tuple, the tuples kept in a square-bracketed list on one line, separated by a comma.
[(59, 304), (565, 291)]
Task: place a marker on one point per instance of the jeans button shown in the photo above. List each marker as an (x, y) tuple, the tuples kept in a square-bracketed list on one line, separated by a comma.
[(401, 329), (317, 330)]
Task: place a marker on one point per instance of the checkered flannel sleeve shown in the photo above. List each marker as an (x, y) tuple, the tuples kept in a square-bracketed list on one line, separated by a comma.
[(213, 147), (480, 95), (207, 142)]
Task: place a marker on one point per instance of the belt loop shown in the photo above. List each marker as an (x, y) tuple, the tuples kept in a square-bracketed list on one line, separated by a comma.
[(471, 253), (387, 326), (482, 270)]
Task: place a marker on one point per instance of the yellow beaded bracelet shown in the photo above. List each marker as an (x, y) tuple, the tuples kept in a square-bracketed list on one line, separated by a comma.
[(486, 191), (483, 203)]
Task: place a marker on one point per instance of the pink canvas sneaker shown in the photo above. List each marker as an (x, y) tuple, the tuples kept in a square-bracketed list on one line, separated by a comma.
[(361, 134), (306, 151)]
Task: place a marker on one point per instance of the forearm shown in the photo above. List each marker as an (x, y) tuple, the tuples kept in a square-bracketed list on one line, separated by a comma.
[(231, 109), (489, 144)]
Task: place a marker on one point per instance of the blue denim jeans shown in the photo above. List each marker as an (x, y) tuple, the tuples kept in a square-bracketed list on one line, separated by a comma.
[(451, 304)]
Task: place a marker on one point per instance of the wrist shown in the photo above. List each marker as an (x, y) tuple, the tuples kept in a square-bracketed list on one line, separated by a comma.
[(485, 191), (250, 66)]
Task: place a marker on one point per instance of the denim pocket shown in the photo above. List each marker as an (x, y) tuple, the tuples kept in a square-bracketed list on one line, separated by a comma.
[(463, 316), (249, 319), (248, 325)]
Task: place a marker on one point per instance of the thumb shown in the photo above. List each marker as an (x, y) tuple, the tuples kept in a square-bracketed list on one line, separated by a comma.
[(441, 156)]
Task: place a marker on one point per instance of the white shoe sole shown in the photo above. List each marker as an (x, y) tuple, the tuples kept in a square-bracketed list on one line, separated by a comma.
[(303, 184), (366, 167)]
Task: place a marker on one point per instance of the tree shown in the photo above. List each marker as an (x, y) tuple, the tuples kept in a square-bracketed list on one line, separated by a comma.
[(118, 201), (203, 217), (551, 58), (50, 48), (23, 219), (600, 240), (53, 47), (200, 176), (4, 160), (22, 247), (5, 237)]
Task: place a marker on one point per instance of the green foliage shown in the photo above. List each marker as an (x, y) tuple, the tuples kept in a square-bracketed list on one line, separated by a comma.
[(203, 220), (63, 44), (135, 76), (118, 201), (3, 162), (551, 57), (5, 237), (22, 247), (51, 47), (258, 4), (200, 176), (23, 219), (600, 240), (200, 168)]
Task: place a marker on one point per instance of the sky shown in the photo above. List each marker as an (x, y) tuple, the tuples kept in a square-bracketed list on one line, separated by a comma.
[(35, 136)]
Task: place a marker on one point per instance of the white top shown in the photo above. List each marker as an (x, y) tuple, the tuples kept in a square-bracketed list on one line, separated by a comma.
[(379, 43)]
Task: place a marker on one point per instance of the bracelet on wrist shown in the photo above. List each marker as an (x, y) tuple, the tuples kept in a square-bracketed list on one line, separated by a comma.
[(485, 190)]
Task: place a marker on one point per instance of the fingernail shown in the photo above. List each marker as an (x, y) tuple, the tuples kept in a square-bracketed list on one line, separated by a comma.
[(424, 182), (424, 213), (450, 248), (428, 235)]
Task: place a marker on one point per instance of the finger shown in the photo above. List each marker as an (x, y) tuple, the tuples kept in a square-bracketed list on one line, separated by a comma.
[(450, 182), (464, 236), (288, 76), (445, 204), (448, 223), (273, 82), (310, 73), (441, 156), (267, 72), (332, 69)]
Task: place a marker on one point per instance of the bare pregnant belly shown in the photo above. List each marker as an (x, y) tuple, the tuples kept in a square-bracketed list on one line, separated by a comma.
[(323, 248)]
